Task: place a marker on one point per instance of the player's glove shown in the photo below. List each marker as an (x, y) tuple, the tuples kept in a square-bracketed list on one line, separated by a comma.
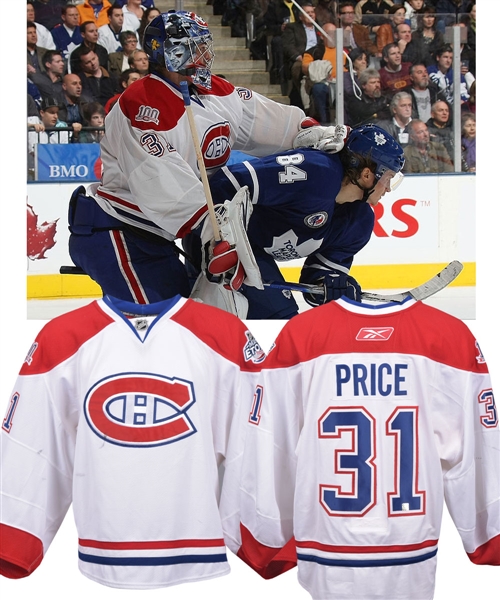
[(328, 139), (340, 284)]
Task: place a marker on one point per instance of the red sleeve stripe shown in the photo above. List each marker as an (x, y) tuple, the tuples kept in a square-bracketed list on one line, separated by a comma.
[(21, 552), (487, 554), (266, 561)]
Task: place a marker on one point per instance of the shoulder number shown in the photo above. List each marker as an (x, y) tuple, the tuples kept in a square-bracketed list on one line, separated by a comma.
[(292, 173)]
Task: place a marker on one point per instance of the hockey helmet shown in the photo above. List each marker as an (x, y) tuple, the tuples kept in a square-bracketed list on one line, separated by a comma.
[(181, 42), (373, 142)]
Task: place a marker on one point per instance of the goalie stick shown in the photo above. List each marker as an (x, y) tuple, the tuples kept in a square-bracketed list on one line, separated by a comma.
[(421, 292)]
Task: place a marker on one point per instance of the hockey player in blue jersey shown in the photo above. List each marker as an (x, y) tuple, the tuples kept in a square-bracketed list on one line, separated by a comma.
[(312, 204)]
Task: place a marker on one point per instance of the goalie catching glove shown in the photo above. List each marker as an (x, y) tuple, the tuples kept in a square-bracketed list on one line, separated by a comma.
[(328, 139)]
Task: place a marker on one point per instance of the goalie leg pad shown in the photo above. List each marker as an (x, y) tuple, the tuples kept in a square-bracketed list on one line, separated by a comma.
[(233, 217)]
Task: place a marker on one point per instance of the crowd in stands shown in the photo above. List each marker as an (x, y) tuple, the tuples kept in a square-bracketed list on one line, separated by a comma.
[(398, 73), (397, 62), (80, 57)]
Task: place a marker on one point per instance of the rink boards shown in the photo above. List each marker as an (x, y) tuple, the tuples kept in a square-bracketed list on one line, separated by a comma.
[(427, 222)]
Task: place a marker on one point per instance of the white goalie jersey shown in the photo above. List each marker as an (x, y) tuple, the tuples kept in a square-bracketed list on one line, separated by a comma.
[(129, 420), (373, 416)]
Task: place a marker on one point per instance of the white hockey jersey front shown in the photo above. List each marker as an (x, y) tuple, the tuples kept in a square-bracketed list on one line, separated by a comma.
[(150, 175), (372, 416), (129, 420)]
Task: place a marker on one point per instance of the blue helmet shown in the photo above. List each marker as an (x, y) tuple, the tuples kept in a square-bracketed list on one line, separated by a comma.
[(181, 42), (373, 142)]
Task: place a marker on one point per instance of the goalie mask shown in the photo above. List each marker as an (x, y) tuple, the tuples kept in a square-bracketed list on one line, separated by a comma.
[(373, 142), (181, 42)]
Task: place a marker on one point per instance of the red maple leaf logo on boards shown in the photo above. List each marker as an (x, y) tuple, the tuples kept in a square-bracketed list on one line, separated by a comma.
[(40, 237)]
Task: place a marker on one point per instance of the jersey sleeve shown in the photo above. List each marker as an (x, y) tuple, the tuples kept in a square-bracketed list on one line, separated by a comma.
[(471, 463), (38, 436), (263, 535), (267, 126)]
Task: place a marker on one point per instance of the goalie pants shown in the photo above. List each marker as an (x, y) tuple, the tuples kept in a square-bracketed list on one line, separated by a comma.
[(125, 263)]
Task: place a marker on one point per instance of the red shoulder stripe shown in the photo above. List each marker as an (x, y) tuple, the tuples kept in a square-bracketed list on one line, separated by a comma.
[(62, 337)]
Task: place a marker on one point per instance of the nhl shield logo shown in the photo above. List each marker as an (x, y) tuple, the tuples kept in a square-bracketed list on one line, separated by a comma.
[(140, 409), (316, 220)]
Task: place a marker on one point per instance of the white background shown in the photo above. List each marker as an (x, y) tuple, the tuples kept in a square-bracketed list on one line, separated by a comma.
[(58, 576)]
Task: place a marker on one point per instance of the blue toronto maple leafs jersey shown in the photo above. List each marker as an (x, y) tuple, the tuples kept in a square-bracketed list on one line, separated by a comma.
[(294, 211)]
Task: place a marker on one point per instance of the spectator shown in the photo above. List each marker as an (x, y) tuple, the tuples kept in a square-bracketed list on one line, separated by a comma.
[(413, 8), (400, 108), (72, 102), (35, 52), (427, 31), (108, 35), (468, 59), (297, 38), (278, 14), (471, 36), (442, 74), (372, 105), (451, 9), (34, 93), (32, 107), (318, 81), (132, 13), (118, 61), (49, 83), (470, 104), (469, 142), (48, 120), (48, 12), (90, 36), (144, 3), (67, 36), (138, 59), (359, 60), (412, 50), (149, 14), (326, 12), (385, 32), (94, 117), (126, 78), (424, 92), (422, 155), (97, 83), (439, 126), (95, 11), (395, 74), (370, 12), (357, 34), (43, 34)]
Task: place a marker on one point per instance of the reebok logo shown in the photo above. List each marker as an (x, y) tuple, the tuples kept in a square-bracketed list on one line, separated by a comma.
[(374, 334)]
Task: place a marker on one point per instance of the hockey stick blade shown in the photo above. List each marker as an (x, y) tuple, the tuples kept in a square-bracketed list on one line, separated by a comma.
[(427, 289), (421, 292)]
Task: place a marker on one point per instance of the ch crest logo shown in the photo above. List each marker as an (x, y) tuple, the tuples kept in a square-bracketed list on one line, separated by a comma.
[(147, 114), (215, 145), (140, 409)]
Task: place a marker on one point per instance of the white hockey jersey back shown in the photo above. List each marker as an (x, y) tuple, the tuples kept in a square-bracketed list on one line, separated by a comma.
[(373, 416), (129, 420)]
